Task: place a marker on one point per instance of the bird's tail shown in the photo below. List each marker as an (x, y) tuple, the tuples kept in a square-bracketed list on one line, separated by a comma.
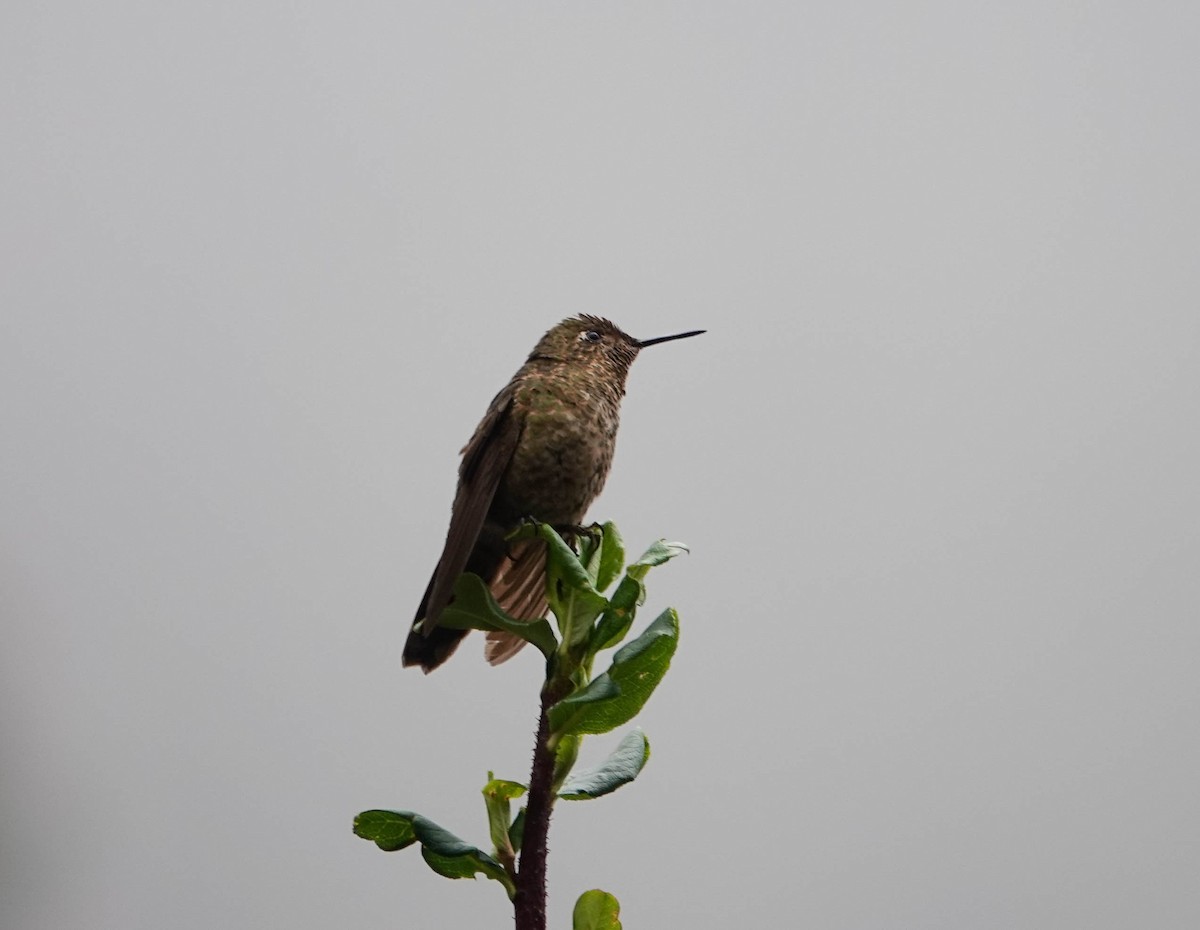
[(430, 651), (431, 648), (517, 580)]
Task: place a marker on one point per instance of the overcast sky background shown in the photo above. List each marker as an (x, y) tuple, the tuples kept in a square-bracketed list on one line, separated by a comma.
[(265, 265)]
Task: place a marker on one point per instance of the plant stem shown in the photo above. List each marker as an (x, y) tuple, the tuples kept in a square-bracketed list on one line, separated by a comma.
[(529, 903)]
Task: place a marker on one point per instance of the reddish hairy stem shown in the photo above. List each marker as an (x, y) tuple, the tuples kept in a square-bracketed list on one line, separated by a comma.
[(529, 903)]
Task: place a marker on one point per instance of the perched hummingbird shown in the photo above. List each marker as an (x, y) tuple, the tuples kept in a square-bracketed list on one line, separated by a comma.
[(542, 452)]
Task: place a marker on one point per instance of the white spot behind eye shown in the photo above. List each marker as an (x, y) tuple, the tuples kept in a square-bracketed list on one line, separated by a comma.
[(589, 336)]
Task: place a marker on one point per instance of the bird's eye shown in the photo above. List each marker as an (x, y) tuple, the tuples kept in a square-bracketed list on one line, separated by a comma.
[(590, 336)]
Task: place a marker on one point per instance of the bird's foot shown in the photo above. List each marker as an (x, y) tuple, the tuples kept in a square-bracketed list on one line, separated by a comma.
[(526, 528)]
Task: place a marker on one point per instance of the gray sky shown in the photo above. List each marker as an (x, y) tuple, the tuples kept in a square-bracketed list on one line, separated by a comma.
[(265, 265)]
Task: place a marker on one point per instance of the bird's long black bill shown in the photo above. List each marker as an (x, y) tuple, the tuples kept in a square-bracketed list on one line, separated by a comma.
[(650, 342)]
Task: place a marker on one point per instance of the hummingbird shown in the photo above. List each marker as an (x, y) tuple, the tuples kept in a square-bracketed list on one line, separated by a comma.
[(542, 452)]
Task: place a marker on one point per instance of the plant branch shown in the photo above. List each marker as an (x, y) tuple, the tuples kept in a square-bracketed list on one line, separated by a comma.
[(529, 903)]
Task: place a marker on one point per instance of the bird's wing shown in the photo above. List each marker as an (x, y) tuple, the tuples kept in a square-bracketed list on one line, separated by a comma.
[(501, 646), (484, 461)]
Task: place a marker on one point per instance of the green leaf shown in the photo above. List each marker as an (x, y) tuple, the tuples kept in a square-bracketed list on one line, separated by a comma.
[(497, 794), (620, 768), (474, 608), (612, 557), (562, 561), (614, 697), (566, 751), (658, 553), (505, 790), (618, 616), (591, 550), (444, 852), (390, 830), (516, 833), (575, 603), (622, 607), (596, 910)]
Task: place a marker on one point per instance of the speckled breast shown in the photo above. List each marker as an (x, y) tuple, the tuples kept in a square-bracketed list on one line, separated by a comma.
[(564, 453)]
